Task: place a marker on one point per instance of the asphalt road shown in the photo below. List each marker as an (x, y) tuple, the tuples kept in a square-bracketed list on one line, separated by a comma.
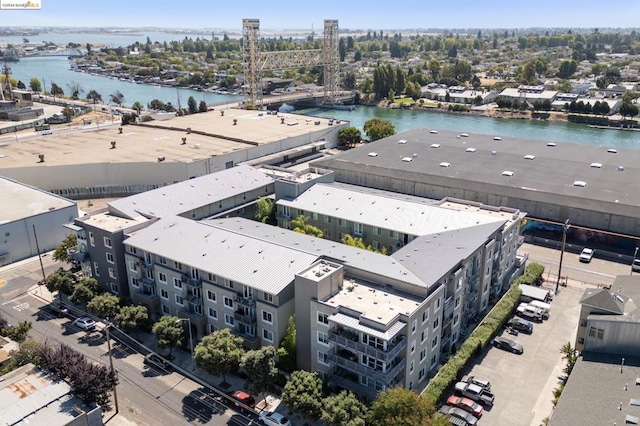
[(146, 396)]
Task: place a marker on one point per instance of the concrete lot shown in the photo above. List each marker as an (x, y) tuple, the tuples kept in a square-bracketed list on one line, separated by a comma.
[(523, 384)]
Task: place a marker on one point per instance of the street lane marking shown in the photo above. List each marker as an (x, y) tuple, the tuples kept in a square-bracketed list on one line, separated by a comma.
[(17, 298)]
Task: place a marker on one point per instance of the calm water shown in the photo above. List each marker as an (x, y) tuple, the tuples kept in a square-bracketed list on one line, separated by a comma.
[(107, 39), (57, 69)]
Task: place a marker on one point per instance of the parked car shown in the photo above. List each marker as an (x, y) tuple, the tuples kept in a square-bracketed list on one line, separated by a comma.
[(474, 392), (507, 345), (242, 398), (155, 360), (521, 325), (274, 419), (483, 383), (586, 255), (458, 413), (465, 404), (84, 323), (529, 312)]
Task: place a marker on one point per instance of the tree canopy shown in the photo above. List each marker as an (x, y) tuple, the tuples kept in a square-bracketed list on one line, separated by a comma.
[(169, 332), (260, 367), (349, 136), (105, 305), (61, 253), (400, 406), (287, 356), (377, 129), (301, 224), (219, 353), (343, 409), (266, 211), (303, 394)]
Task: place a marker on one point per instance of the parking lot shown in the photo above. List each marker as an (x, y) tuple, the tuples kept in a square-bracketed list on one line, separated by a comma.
[(523, 384)]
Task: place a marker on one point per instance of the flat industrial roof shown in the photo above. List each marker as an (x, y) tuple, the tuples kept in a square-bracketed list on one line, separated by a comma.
[(212, 134), (497, 164), (21, 201)]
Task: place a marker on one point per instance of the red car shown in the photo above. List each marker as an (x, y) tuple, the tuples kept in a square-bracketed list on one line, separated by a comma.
[(466, 404), (242, 399)]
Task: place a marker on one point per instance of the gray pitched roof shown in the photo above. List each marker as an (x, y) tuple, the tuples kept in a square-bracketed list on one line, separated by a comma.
[(404, 216), (603, 300), (258, 263), (379, 264), (191, 194), (431, 257)]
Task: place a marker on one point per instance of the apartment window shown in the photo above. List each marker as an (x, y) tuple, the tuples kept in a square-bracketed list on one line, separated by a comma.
[(583, 323), (162, 261), (164, 294), (112, 273), (212, 328), (323, 318), (228, 283), (114, 288), (177, 265), (421, 374), (393, 234), (133, 250), (166, 310), (323, 338), (434, 342), (133, 266), (425, 315), (411, 366), (375, 245), (96, 269), (228, 319), (436, 323), (323, 358), (456, 318), (423, 355), (327, 219), (162, 277), (413, 347), (213, 278), (134, 282), (177, 283), (457, 302), (267, 317), (213, 313), (358, 228), (92, 240), (107, 242), (376, 231), (285, 211), (267, 335), (109, 257), (268, 297), (433, 361), (596, 332), (314, 216), (179, 300), (437, 304), (342, 223), (212, 296), (459, 284), (423, 336), (228, 302), (414, 326)]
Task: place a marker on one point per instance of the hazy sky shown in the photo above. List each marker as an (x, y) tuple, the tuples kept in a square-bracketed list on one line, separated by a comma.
[(352, 14)]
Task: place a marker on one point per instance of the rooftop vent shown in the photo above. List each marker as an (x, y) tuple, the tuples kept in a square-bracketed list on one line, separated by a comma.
[(508, 173), (433, 132), (494, 152), (471, 150), (161, 159), (497, 138), (402, 141), (445, 164), (407, 159), (596, 165), (435, 145), (612, 151), (41, 157), (372, 154), (529, 157), (464, 135), (113, 144), (580, 183), (621, 168), (551, 144)]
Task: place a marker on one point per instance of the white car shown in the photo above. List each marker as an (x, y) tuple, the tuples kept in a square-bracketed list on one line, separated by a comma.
[(274, 419), (586, 255), (85, 323)]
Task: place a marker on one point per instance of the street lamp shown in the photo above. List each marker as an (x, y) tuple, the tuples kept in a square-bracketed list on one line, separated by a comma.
[(193, 366), (565, 228)]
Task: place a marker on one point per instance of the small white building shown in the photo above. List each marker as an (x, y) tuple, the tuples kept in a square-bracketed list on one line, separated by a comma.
[(530, 94)]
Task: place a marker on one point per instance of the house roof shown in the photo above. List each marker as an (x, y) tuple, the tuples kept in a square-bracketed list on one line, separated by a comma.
[(406, 217), (602, 300), (191, 194)]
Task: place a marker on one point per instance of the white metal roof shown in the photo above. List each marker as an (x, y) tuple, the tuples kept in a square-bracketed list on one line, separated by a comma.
[(20, 201), (354, 323)]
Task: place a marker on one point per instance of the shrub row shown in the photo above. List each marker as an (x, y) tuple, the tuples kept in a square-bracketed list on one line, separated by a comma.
[(481, 336)]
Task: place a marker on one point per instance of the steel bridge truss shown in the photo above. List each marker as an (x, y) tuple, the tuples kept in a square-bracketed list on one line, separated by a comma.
[(256, 62)]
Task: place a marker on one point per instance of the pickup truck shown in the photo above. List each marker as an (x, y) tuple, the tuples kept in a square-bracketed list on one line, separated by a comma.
[(485, 384), (474, 392)]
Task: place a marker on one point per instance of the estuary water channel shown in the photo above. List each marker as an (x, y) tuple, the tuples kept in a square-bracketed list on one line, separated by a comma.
[(57, 69)]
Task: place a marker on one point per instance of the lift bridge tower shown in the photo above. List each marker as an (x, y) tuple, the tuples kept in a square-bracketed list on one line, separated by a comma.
[(255, 62)]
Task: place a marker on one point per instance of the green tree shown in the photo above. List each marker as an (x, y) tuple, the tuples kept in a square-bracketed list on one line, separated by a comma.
[(169, 333), (105, 305), (68, 113), (400, 406), (301, 224), (349, 136), (56, 90), (94, 96), (61, 253), (567, 69), (17, 332), (344, 409), (628, 109), (61, 281), (132, 318), (137, 106), (342, 49), (287, 356), (377, 129), (203, 107), (266, 211), (193, 105), (35, 85), (260, 367), (219, 353), (117, 98), (75, 90), (82, 294), (570, 355), (303, 394), (29, 352)]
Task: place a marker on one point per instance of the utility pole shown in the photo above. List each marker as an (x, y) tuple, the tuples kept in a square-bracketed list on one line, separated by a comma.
[(115, 394), (565, 228), (44, 277)]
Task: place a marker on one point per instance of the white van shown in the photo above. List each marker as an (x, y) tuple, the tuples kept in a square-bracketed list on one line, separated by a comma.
[(635, 266), (529, 312), (544, 307)]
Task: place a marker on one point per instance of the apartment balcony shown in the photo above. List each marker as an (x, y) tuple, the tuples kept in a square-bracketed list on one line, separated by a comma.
[(283, 216), (245, 301), (196, 318), (193, 299), (148, 281), (448, 307), (444, 343), (353, 385), (250, 342), (147, 292), (353, 366), (246, 319), (349, 340), (78, 255)]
